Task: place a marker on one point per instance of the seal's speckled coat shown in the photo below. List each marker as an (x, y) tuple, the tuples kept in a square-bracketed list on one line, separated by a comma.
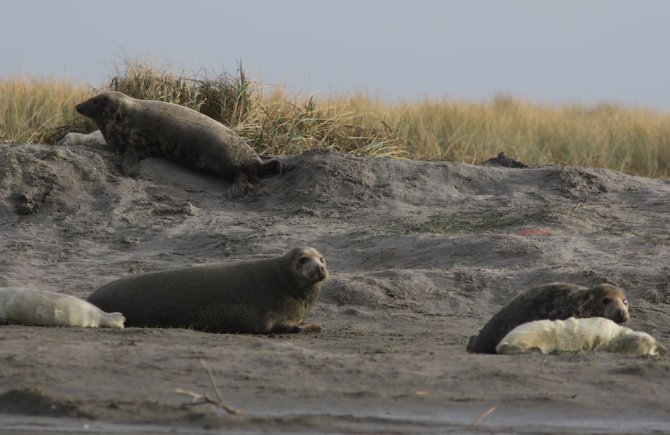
[(145, 128)]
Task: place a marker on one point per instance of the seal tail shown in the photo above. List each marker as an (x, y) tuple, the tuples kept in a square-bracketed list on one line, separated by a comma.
[(269, 167), (113, 320)]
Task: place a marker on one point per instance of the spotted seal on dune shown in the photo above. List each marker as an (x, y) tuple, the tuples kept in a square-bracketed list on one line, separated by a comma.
[(147, 128), (272, 295), (574, 335), (27, 306), (551, 301)]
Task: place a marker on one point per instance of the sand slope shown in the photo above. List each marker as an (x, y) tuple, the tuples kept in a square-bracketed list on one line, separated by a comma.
[(421, 254)]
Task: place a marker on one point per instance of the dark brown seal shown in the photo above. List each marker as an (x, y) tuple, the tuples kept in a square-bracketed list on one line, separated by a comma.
[(145, 128), (263, 296), (553, 301)]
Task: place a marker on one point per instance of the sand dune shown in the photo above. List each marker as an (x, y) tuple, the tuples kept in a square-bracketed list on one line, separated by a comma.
[(421, 254)]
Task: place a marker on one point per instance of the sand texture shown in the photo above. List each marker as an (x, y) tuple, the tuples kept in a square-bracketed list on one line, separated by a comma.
[(420, 255)]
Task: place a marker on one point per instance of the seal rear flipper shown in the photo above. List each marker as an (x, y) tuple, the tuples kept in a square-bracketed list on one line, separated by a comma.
[(269, 167)]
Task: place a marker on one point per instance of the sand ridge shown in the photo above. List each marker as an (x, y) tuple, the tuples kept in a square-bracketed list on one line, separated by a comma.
[(421, 254)]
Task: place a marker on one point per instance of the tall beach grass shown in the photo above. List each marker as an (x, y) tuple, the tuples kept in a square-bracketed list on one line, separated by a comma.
[(632, 140)]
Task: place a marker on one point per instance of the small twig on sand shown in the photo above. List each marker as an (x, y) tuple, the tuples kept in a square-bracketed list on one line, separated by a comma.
[(199, 399), (484, 415)]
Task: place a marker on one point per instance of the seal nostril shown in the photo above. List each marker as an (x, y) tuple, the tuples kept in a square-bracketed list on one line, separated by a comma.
[(623, 316)]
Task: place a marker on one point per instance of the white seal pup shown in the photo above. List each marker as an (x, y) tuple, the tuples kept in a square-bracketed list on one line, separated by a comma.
[(95, 138), (26, 306), (574, 335)]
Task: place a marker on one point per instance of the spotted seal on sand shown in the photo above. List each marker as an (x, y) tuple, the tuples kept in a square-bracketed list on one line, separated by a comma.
[(27, 306), (272, 295), (551, 301), (574, 335), (146, 128)]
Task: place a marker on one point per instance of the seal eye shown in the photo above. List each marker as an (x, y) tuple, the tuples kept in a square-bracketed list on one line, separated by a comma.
[(606, 301), (303, 260)]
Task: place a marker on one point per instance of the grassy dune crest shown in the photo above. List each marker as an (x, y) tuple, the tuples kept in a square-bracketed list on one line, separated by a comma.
[(631, 140)]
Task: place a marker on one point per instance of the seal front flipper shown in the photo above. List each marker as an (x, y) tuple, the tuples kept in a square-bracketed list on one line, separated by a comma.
[(311, 327), (292, 328), (240, 186), (130, 162)]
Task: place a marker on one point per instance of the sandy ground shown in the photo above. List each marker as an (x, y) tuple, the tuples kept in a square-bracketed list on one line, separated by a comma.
[(421, 254)]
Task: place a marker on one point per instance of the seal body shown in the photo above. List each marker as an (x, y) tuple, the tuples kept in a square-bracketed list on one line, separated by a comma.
[(146, 128), (94, 138), (263, 296), (34, 307), (551, 301), (574, 335)]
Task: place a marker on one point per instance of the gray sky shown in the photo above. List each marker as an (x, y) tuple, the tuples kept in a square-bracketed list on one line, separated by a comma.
[(584, 51)]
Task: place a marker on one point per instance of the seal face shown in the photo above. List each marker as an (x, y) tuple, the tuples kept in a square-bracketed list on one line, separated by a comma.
[(574, 335), (146, 128), (272, 295), (39, 308), (551, 301)]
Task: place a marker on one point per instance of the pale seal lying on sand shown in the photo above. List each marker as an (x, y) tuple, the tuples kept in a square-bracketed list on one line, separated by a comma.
[(574, 335), (261, 296), (95, 138), (145, 128), (34, 307), (551, 301)]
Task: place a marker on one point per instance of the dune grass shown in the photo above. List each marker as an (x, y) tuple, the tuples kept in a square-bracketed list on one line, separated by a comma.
[(631, 140), (29, 106)]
